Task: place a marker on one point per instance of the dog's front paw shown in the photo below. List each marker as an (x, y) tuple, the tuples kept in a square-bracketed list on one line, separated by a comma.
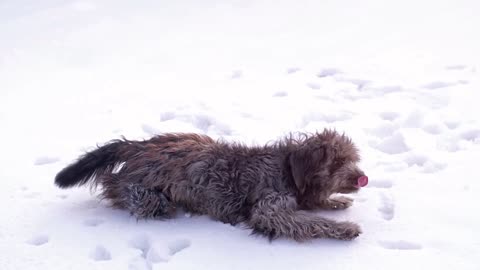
[(340, 202), (346, 231)]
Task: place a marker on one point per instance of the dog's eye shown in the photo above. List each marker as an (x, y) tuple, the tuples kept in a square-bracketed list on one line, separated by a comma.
[(337, 164)]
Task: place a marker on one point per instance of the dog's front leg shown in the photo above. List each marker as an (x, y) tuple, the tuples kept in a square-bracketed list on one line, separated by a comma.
[(277, 216), (336, 203)]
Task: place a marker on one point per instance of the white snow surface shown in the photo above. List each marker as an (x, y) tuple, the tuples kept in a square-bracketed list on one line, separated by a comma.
[(401, 78)]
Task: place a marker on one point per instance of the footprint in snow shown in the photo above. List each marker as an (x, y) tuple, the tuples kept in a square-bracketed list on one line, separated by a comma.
[(38, 240), (327, 72), (293, 70), (400, 245), (449, 146), (387, 206), (93, 222), (158, 254), (380, 183), (456, 67), (165, 116), (360, 83), (178, 245), (416, 159), (313, 86), (32, 195), (432, 129), (471, 135), (438, 85), (389, 116), (329, 118), (394, 167), (280, 94), (452, 124), (423, 162), (383, 130), (202, 121), (139, 264), (441, 84), (414, 119), (100, 253), (208, 123), (389, 89), (433, 167), (150, 130), (142, 243), (151, 253), (394, 144), (236, 74)]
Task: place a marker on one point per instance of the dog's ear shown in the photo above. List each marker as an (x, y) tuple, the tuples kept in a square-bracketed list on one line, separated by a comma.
[(303, 162)]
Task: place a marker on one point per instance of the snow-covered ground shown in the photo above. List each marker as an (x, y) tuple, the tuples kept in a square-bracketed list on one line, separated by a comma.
[(401, 78)]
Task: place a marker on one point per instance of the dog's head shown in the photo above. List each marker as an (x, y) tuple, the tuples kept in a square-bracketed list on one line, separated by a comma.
[(323, 164)]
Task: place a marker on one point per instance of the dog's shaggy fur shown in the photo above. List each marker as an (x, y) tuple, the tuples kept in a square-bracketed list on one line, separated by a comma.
[(268, 188)]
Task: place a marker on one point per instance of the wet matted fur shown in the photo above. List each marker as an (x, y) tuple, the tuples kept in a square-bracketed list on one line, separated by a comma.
[(269, 188)]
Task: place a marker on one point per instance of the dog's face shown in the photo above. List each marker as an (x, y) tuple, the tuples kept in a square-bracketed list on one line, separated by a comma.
[(325, 164)]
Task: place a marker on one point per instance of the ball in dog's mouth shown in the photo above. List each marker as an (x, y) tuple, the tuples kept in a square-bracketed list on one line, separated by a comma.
[(362, 181)]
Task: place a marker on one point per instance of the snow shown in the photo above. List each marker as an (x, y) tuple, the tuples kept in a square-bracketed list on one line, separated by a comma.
[(100, 253), (400, 78), (38, 240)]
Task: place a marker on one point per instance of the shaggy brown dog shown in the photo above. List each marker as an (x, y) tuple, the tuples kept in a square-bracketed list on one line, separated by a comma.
[(266, 187)]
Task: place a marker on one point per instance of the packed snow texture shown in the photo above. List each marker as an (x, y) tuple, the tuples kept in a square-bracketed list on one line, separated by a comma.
[(400, 78)]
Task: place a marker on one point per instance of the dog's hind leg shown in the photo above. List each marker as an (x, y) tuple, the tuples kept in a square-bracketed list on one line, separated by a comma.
[(148, 203), (140, 201)]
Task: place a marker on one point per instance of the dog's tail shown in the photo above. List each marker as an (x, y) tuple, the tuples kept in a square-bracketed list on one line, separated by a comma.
[(93, 164)]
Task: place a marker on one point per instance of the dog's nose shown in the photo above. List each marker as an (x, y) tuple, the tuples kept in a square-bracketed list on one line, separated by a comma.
[(362, 181)]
